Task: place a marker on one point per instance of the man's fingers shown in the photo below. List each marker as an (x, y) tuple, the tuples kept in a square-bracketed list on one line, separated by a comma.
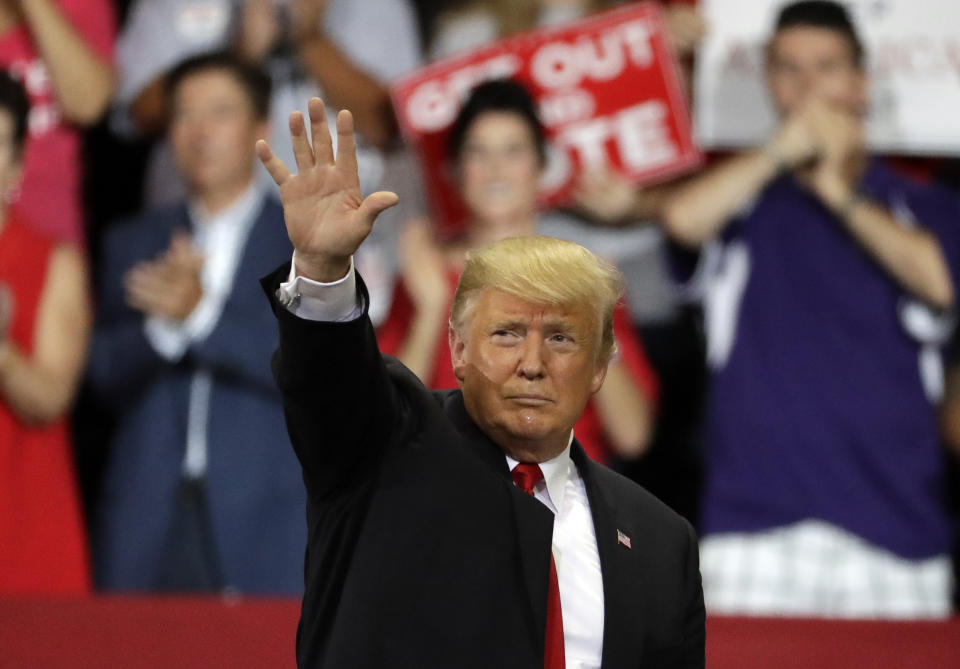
[(134, 302), (154, 305), (320, 132), (163, 268), (181, 246), (346, 145), (146, 301), (301, 147), (274, 165), (148, 279), (150, 292), (183, 254), (375, 203)]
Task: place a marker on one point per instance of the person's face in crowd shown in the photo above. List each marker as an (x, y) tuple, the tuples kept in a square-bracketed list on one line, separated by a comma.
[(805, 61), (499, 168), (9, 157), (213, 129), (526, 370)]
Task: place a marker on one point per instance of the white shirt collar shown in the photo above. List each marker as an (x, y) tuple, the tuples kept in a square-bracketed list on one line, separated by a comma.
[(237, 210), (556, 473)]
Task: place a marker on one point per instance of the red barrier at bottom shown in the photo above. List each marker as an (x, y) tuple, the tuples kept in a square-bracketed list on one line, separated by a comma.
[(142, 632), (155, 632), (771, 643)]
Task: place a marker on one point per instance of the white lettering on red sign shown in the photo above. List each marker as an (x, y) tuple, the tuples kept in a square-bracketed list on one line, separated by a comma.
[(42, 118), (588, 140), (644, 138), (567, 107), (602, 57), (434, 104), (44, 114), (639, 133)]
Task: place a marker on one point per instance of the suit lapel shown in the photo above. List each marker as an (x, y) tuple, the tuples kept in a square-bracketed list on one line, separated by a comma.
[(622, 609), (253, 246), (160, 235), (533, 521)]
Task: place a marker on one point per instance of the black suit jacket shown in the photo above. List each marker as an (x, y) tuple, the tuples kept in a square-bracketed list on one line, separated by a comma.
[(421, 551)]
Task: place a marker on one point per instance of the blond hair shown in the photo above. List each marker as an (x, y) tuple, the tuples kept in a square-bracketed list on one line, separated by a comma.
[(544, 270)]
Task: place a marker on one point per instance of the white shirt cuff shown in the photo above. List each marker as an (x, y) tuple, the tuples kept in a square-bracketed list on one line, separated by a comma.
[(204, 317), (317, 301), (171, 338), (167, 337)]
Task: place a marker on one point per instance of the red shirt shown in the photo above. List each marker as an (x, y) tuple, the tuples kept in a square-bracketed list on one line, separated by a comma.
[(50, 195)]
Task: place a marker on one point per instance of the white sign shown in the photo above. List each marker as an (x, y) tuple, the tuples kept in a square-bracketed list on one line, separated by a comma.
[(913, 57)]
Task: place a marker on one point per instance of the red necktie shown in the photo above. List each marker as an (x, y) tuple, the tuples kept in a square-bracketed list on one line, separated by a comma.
[(526, 475)]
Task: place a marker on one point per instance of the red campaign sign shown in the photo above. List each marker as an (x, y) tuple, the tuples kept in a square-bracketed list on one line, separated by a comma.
[(606, 87)]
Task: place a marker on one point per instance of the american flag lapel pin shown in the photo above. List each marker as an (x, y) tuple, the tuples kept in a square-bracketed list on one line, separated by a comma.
[(623, 539)]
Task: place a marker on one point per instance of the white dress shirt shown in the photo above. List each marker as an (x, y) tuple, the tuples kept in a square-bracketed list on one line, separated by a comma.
[(578, 562), (220, 238), (562, 490)]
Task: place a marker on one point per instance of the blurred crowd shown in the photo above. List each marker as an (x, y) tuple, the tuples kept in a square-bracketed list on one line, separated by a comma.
[(787, 377)]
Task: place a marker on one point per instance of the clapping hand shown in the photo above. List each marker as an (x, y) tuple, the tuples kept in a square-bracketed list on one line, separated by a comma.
[(841, 137), (685, 28), (423, 268), (306, 18), (820, 134), (263, 26), (823, 143), (260, 29), (605, 196), (795, 144), (326, 215), (170, 285)]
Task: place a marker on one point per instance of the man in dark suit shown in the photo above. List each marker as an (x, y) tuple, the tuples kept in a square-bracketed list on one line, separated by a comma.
[(464, 528), (199, 492)]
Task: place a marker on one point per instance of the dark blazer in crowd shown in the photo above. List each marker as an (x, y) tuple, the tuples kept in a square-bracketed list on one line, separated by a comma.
[(422, 553), (254, 491)]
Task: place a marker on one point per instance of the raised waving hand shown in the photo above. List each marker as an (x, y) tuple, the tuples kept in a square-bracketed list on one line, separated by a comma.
[(326, 215)]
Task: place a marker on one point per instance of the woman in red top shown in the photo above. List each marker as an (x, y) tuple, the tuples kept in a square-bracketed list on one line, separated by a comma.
[(44, 329), (62, 53), (497, 147)]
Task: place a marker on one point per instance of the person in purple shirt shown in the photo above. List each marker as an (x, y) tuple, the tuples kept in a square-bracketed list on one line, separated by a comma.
[(828, 287)]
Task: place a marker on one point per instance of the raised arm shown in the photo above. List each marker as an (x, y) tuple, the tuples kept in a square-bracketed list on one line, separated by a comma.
[(82, 79), (340, 405), (911, 255), (696, 212), (341, 79)]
